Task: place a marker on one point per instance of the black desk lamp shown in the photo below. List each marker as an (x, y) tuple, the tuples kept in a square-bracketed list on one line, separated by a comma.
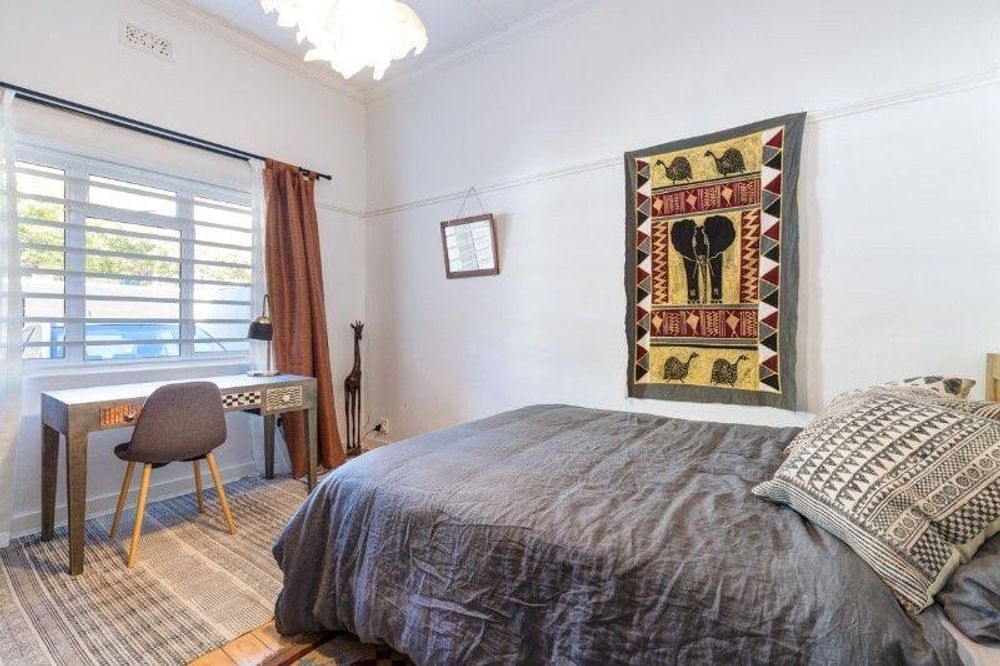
[(261, 328)]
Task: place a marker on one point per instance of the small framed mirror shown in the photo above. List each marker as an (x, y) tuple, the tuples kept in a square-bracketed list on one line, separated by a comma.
[(470, 246)]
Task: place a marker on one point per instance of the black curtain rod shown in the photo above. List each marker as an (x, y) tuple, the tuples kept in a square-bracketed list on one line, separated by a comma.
[(137, 125)]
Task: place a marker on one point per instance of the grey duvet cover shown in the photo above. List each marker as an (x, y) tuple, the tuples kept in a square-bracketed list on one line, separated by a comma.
[(562, 535)]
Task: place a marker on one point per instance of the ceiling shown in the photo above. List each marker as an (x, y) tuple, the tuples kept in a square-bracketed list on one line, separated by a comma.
[(452, 27)]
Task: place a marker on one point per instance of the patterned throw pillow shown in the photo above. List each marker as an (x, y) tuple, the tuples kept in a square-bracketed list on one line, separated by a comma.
[(984, 408), (988, 410), (956, 386), (908, 482)]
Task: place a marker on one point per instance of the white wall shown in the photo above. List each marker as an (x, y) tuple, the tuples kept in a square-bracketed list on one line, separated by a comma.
[(210, 89), (900, 206)]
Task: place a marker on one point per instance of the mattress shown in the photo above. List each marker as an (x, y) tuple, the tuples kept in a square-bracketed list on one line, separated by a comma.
[(558, 534)]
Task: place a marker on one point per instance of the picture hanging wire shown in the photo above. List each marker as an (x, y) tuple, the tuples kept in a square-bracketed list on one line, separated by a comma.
[(471, 191)]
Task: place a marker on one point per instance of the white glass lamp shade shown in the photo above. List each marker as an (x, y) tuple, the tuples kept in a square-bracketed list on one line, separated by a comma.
[(353, 34)]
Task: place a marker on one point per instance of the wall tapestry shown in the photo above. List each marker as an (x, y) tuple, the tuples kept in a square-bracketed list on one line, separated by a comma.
[(712, 266)]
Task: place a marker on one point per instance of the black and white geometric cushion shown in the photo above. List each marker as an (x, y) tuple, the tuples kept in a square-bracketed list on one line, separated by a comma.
[(984, 408), (988, 410), (911, 484), (953, 386)]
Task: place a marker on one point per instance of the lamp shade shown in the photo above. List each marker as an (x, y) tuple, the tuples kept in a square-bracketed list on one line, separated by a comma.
[(261, 328)]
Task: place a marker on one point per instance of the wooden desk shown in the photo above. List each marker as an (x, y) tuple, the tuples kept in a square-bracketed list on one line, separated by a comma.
[(75, 413)]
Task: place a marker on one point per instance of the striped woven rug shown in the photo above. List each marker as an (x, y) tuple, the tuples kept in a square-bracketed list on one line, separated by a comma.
[(194, 587)]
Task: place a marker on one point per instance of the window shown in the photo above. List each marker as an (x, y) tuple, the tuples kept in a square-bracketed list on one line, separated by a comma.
[(120, 264)]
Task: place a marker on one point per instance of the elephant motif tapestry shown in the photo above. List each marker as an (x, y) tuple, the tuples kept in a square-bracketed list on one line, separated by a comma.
[(712, 266)]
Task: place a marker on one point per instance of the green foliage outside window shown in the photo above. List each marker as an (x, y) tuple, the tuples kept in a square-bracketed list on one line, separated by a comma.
[(53, 259)]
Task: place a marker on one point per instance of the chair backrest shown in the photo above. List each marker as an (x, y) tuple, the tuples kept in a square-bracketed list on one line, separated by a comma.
[(179, 421)]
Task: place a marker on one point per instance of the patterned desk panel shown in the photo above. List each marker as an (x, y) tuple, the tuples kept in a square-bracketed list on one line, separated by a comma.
[(278, 399)]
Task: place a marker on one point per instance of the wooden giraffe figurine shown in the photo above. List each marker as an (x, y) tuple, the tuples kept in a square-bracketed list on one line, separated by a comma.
[(352, 396)]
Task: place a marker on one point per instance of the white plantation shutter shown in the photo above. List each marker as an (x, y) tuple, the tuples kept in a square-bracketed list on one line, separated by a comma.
[(121, 264)]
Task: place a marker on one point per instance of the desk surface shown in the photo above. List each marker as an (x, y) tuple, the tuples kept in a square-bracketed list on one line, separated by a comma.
[(98, 394)]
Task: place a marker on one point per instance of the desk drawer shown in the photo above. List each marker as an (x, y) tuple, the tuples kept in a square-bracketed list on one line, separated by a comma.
[(120, 416), (241, 400), (283, 399)]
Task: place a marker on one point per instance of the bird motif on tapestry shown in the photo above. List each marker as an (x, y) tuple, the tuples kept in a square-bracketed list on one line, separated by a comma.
[(724, 372), (731, 162), (679, 169), (676, 370)]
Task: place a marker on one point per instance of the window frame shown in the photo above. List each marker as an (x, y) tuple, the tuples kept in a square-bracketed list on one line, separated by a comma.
[(77, 170)]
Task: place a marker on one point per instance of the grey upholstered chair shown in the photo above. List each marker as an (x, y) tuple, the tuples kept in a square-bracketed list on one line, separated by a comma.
[(178, 422)]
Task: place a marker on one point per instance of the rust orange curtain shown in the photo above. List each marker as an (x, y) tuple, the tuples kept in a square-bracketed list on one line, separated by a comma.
[(295, 285)]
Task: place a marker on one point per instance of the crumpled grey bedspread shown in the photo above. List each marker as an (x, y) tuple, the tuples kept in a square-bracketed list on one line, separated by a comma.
[(563, 535)]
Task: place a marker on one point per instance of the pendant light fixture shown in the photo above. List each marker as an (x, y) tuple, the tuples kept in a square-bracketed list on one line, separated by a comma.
[(353, 34)]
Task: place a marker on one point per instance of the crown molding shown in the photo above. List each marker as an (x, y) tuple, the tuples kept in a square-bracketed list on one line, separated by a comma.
[(487, 15), (366, 95), (477, 48), (199, 19)]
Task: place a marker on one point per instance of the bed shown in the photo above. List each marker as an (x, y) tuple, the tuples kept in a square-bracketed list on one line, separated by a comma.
[(558, 534)]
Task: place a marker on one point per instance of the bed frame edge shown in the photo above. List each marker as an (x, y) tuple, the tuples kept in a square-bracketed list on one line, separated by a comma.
[(993, 377)]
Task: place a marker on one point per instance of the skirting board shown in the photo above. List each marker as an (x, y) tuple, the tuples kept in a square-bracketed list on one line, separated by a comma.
[(31, 523)]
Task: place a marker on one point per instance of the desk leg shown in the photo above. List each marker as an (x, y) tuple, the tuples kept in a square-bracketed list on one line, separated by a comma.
[(269, 446), (312, 449), (50, 474), (76, 495)]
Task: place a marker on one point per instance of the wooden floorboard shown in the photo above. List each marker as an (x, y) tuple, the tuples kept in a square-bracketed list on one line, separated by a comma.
[(213, 658), (268, 634), (247, 650), (263, 646)]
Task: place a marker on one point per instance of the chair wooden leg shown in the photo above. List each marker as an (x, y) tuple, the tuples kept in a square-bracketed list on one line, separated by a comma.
[(126, 482), (222, 492), (199, 491), (140, 511)]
